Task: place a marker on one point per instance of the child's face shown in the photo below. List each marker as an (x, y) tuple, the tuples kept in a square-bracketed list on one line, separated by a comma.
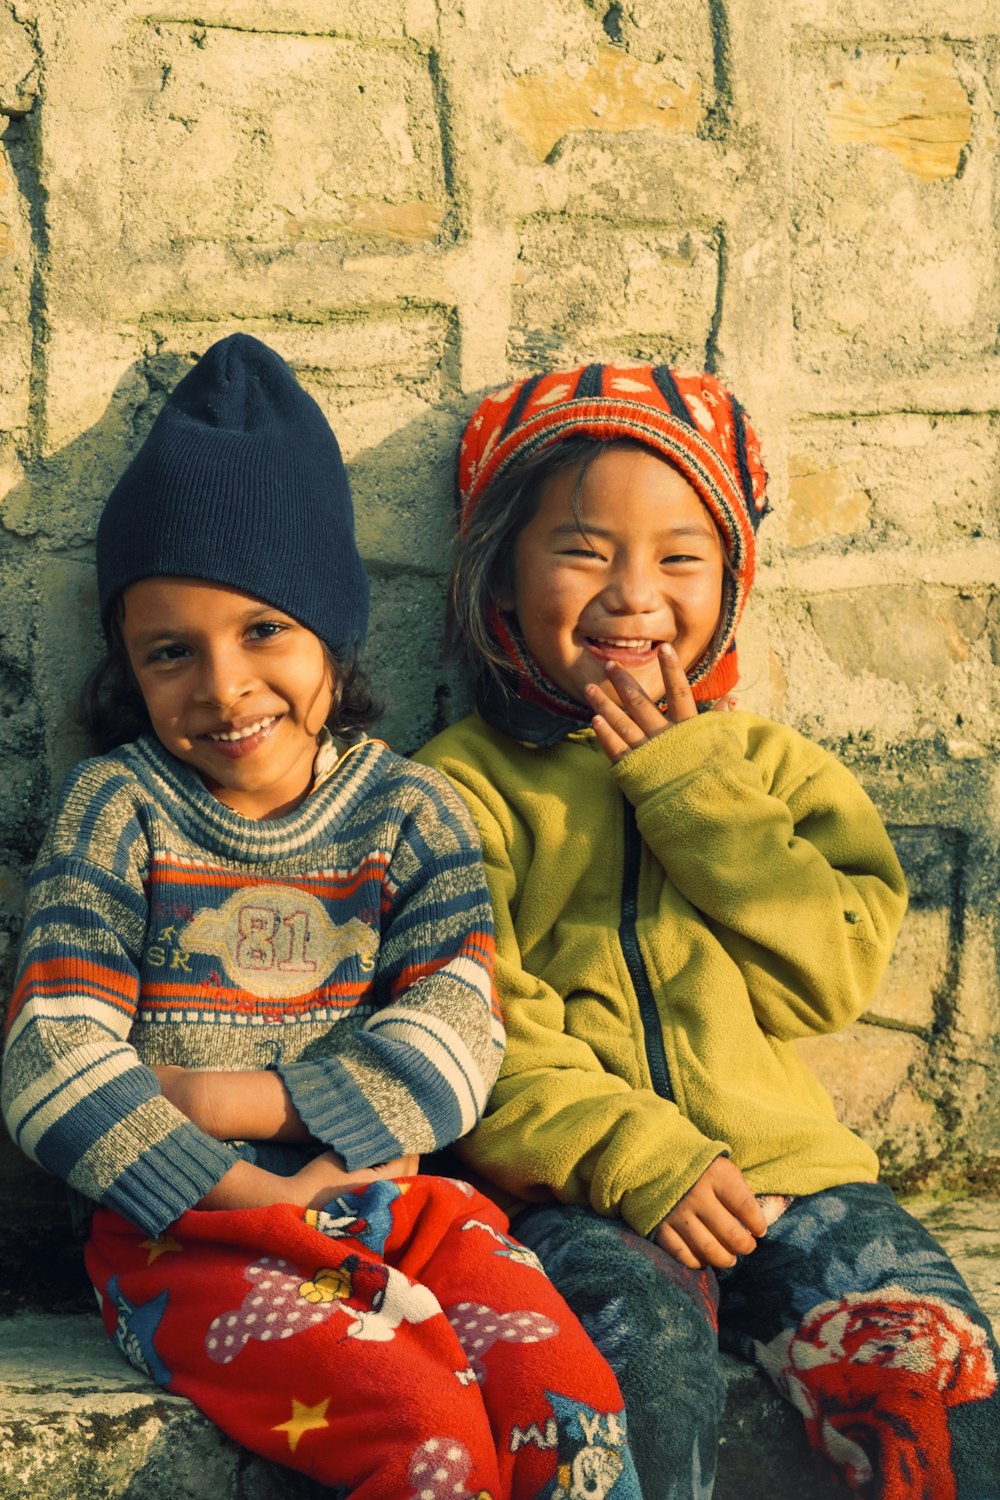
[(237, 689), (648, 570)]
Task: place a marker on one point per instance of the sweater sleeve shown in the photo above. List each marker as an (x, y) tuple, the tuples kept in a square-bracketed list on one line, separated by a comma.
[(75, 1096), (559, 1123), (783, 853), (415, 1075)]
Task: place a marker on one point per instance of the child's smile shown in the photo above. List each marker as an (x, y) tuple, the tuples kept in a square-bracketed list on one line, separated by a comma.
[(233, 687), (645, 569)]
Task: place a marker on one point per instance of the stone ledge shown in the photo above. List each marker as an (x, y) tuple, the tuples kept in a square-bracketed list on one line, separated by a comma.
[(75, 1419)]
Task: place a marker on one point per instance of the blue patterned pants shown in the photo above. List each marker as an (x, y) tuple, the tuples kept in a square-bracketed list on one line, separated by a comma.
[(850, 1307)]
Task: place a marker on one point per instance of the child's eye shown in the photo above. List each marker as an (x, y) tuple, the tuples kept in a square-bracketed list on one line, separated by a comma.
[(173, 651), (266, 630), (578, 552)]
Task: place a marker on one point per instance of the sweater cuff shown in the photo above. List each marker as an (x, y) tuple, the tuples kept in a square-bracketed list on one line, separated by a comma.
[(677, 755), (335, 1111), (645, 1208), (168, 1180)]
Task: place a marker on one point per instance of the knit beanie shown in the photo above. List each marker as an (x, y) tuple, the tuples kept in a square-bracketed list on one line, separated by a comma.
[(241, 482), (690, 420)]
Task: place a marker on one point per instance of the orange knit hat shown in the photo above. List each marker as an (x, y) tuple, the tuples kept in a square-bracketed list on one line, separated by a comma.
[(690, 420)]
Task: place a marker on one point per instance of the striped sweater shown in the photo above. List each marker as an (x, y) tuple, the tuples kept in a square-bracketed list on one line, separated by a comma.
[(348, 945)]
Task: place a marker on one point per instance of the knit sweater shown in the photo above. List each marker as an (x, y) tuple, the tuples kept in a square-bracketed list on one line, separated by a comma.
[(666, 929), (347, 945)]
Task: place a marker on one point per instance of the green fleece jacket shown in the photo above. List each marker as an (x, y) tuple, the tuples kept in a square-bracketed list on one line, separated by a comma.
[(666, 928)]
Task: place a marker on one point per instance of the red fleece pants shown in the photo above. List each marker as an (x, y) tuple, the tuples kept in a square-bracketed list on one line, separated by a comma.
[(398, 1345)]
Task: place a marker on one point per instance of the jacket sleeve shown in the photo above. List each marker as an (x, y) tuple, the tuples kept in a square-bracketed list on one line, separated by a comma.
[(415, 1075), (558, 1122), (76, 1097), (781, 851)]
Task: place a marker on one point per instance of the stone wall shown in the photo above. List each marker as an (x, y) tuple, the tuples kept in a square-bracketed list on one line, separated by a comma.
[(413, 200)]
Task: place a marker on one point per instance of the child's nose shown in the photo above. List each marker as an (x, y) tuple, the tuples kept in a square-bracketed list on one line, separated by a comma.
[(632, 590), (225, 678)]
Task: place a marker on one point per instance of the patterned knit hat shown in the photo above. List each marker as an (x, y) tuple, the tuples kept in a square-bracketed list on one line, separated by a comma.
[(690, 420), (241, 482)]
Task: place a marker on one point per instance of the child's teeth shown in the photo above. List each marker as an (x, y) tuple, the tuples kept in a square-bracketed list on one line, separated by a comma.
[(244, 734), (626, 645)]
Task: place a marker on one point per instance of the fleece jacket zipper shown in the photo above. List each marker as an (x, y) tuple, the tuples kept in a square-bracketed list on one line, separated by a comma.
[(629, 938)]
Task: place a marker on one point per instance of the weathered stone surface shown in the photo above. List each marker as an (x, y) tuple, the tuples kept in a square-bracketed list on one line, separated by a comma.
[(911, 636), (18, 66), (918, 971), (874, 1077), (15, 278), (404, 644), (888, 266), (823, 503), (202, 165), (911, 479), (917, 109), (644, 293), (615, 94)]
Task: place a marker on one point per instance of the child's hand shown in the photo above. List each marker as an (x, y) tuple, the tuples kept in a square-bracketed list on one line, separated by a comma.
[(326, 1177), (638, 720), (716, 1220)]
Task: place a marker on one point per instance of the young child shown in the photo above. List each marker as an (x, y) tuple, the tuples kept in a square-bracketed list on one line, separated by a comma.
[(678, 896), (256, 983)]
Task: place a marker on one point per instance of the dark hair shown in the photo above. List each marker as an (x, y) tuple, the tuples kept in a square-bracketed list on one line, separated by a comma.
[(113, 712), (483, 568)]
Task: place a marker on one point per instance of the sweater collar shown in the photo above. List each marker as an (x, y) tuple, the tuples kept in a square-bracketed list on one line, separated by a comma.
[(180, 793)]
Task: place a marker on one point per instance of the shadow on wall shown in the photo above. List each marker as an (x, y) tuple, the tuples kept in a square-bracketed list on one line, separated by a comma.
[(49, 629)]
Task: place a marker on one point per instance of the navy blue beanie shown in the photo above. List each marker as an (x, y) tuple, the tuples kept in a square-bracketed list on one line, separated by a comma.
[(241, 482)]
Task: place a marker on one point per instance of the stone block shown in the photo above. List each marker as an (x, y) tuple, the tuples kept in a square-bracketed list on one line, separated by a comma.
[(92, 412), (873, 1076), (823, 502), (856, 19), (400, 455), (18, 66), (917, 972), (273, 138), (582, 288), (915, 107), (893, 260), (908, 635), (68, 641), (867, 478), (616, 93)]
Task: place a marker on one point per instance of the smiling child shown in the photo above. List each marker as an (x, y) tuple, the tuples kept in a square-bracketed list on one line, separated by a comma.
[(255, 985), (679, 896)]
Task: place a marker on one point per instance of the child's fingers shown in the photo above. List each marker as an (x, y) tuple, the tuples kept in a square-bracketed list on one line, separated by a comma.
[(711, 1231), (612, 744), (618, 720), (677, 689), (616, 732), (671, 1242), (749, 1212), (636, 704)]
